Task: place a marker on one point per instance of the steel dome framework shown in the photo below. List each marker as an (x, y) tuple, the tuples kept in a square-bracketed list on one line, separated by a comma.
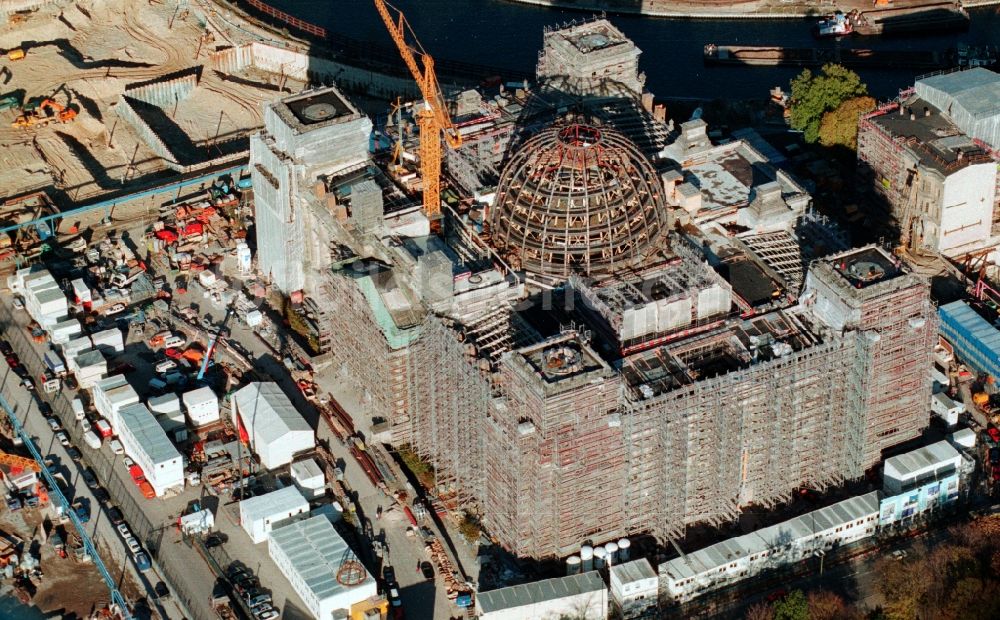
[(578, 199)]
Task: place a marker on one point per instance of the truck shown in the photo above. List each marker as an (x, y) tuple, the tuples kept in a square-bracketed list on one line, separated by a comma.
[(103, 428), (54, 363)]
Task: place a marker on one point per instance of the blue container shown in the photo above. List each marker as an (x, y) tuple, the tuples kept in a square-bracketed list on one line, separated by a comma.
[(976, 340)]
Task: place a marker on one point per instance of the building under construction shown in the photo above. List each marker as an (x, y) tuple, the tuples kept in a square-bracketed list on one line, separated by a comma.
[(619, 327)]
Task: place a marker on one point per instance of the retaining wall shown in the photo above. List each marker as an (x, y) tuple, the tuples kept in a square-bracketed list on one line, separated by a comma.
[(306, 68)]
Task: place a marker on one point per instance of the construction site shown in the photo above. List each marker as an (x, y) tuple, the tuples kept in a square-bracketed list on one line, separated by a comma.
[(588, 321)]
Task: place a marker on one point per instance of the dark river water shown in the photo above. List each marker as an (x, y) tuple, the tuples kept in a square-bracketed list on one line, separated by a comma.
[(509, 35)]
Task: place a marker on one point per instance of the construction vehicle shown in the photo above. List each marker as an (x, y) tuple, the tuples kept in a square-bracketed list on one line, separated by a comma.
[(11, 100), (433, 119), (213, 342), (18, 464), (17, 53), (41, 115)]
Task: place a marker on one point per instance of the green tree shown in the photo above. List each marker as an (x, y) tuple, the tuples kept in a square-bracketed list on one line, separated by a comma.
[(840, 127), (815, 95), (792, 607)]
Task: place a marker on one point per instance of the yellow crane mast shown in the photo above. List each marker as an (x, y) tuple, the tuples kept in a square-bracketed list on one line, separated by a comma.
[(433, 119)]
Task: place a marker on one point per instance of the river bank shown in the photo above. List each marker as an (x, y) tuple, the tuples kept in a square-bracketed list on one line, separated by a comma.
[(711, 9)]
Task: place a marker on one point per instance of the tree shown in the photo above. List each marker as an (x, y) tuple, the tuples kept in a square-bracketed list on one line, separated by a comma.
[(759, 611), (792, 607), (815, 95), (840, 127), (470, 527), (825, 605)]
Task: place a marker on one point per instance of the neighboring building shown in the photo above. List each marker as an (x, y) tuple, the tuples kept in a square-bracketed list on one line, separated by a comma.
[(314, 132), (976, 341), (593, 58), (635, 588), (583, 597), (263, 513), (925, 479), (144, 440), (322, 569), (932, 154), (275, 430), (771, 547)]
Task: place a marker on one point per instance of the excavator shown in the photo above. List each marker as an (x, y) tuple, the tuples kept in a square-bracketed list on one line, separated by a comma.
[(41, 115)]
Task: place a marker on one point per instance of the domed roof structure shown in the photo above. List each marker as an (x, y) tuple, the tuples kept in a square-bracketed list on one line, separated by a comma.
[(578, 199)]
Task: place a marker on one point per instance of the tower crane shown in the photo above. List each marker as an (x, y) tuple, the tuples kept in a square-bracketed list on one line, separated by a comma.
[(433, 119)]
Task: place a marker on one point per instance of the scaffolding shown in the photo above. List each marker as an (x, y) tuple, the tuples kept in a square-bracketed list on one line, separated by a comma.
[(701, 451), (556, 463)]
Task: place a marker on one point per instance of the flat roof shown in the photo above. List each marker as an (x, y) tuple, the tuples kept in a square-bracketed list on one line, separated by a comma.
[(147, 431), (318, 106), (540, 591), (316, 552), (279, 502), (921, 460), (636, 570), (723, 553)]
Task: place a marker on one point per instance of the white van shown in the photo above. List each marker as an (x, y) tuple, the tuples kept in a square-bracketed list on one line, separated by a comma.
[(78, 409), (174, 342), (92, 440)]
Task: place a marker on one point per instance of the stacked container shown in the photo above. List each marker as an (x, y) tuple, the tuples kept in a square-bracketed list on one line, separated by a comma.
[(167, 411), (110, 341)]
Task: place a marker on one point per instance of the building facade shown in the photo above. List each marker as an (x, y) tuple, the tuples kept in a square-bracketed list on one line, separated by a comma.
[(932, 155)]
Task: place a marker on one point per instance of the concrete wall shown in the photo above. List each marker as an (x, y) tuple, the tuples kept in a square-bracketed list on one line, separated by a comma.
[(311, 69)]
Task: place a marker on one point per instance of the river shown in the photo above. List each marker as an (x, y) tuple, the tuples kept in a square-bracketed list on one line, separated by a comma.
[(508, 35)]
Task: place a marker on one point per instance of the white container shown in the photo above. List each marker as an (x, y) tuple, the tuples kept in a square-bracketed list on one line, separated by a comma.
[(109, 340), (573, 565), (202, 406), (586, 559), (612, 549), (624, 548), (78, 411), (206, 278), (254, 318), (600, 558), (243, 258)]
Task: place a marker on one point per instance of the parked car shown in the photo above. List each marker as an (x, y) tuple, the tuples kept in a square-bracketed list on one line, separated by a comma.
[(133, 544), (18, 302), (70, 382), (994, 456), (115, 516), (427, 570), (142, 561), (268, 614), (5, 348), (161, 590), (215, 539), (81, 512), (13, 361), (28, 384), (147, 490), (127, 462), (13, 503), (45, 408), (388, 574), (166, 365), (53, 424), (101, 494), (124, 531), (90, 478), (256, 597), (117, 447), (115, 309), (63, 438), (73, 453)]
